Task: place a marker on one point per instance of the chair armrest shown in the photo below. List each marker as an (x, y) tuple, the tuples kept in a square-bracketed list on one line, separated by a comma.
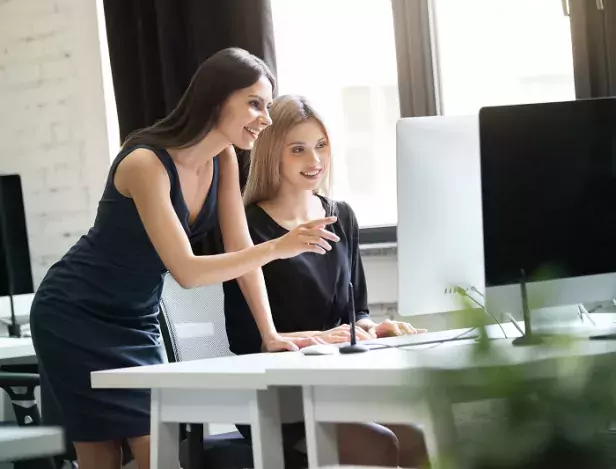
[(19, 379)]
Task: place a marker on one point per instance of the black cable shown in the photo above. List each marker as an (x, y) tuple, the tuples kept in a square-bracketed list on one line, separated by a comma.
[(463, 292), (440, 342), (454, 338)]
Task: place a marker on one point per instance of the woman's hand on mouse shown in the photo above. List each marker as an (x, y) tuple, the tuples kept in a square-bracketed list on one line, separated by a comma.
[(308, 237), (389, 328)]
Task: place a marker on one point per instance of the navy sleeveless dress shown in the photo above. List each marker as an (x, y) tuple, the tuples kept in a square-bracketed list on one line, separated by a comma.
[(97, 309)]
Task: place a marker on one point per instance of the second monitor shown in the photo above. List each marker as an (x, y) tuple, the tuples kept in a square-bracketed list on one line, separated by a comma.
[(548, 177), (439, 212)]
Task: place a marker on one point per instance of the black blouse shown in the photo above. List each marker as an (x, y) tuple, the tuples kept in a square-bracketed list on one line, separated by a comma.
[(307, 292)]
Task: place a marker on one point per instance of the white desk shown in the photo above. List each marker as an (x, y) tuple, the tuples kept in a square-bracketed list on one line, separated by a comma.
[(11, 348), (238, 389), (217, 390), (21, 303), (381, 385), (398, 386), (18, 443)]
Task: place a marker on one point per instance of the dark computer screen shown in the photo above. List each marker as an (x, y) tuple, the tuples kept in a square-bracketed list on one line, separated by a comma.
[(15, 266), (548, 174)]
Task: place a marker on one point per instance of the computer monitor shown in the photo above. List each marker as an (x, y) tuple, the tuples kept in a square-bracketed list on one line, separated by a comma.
[(440, 243), (548, 183), (16, 286)]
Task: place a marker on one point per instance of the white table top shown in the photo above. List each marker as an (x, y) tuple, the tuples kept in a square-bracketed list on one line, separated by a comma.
[(466, 369), (232, 372), (15, 348), (253, 371), (378, 367), (249, 371), (23, 443)]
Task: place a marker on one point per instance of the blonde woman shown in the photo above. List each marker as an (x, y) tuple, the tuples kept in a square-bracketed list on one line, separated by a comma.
[(309, 295)]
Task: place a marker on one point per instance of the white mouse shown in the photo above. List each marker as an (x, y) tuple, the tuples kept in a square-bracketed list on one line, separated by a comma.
[(320, 349)]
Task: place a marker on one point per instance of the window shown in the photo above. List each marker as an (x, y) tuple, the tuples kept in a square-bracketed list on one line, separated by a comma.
[(495, 52), (113, 130), (341, 55)]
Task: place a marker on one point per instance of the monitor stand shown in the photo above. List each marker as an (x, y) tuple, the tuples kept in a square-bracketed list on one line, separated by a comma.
[(528, 338)]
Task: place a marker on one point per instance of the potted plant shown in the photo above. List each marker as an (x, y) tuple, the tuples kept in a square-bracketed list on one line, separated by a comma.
[(562, 422)]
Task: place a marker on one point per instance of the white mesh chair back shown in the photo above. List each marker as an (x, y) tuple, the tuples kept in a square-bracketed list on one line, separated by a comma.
[(195, 320)]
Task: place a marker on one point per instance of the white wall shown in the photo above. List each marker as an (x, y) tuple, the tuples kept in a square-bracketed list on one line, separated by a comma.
[(53, 129)]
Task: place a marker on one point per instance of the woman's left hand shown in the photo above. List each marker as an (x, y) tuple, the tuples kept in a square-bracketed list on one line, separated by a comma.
[(389, 328), (278, 343)]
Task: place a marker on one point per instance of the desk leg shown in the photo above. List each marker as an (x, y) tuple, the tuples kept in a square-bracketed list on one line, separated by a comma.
[(266, 430), (321, 437), (164, 437), (440, 429)]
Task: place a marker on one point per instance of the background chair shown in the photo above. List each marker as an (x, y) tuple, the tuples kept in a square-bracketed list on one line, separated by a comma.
[(20, 388), (193, 327)]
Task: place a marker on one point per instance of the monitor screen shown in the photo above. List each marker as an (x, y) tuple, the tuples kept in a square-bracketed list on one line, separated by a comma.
[(15, 266), (548, 175)]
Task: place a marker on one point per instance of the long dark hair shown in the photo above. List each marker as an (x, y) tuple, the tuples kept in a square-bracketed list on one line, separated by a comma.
[(226, 71)]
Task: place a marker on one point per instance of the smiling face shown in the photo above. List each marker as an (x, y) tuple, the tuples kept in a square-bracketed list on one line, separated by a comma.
[(246, 113), (305, 156)]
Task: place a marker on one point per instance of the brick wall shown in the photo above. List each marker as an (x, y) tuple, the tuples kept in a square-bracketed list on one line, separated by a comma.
[(53, 126)]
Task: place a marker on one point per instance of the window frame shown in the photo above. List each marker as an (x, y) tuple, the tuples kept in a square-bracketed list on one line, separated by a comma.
[(593, 37), (418, 82)]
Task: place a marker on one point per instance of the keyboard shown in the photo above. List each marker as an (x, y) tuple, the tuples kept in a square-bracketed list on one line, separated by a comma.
[(426, 338)]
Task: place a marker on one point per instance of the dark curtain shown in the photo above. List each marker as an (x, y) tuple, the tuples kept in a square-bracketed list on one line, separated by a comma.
[(593, 33), (155, 46), (588, 37)]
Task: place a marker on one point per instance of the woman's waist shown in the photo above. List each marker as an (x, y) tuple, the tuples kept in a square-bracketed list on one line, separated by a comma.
[(101, 289), (59, 310), (85, 264)]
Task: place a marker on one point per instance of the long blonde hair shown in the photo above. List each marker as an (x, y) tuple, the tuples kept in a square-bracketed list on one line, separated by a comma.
[(266, 156)]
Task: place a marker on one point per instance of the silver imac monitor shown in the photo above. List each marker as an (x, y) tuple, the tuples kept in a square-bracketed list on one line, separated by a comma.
[(548, 183), (439, 232)]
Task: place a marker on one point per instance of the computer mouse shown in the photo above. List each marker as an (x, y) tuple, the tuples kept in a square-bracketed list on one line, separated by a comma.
[(320, 349)]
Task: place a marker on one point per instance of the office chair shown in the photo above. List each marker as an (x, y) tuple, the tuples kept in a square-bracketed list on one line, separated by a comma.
[(20, 389), (200, 311)]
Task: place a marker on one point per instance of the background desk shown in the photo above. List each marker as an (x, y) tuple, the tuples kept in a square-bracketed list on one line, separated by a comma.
[(25, 443), (11, 348)]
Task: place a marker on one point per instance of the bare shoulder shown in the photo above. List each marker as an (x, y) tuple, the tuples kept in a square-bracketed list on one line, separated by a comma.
[(140, 167), (141, 159), (228, 161)]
